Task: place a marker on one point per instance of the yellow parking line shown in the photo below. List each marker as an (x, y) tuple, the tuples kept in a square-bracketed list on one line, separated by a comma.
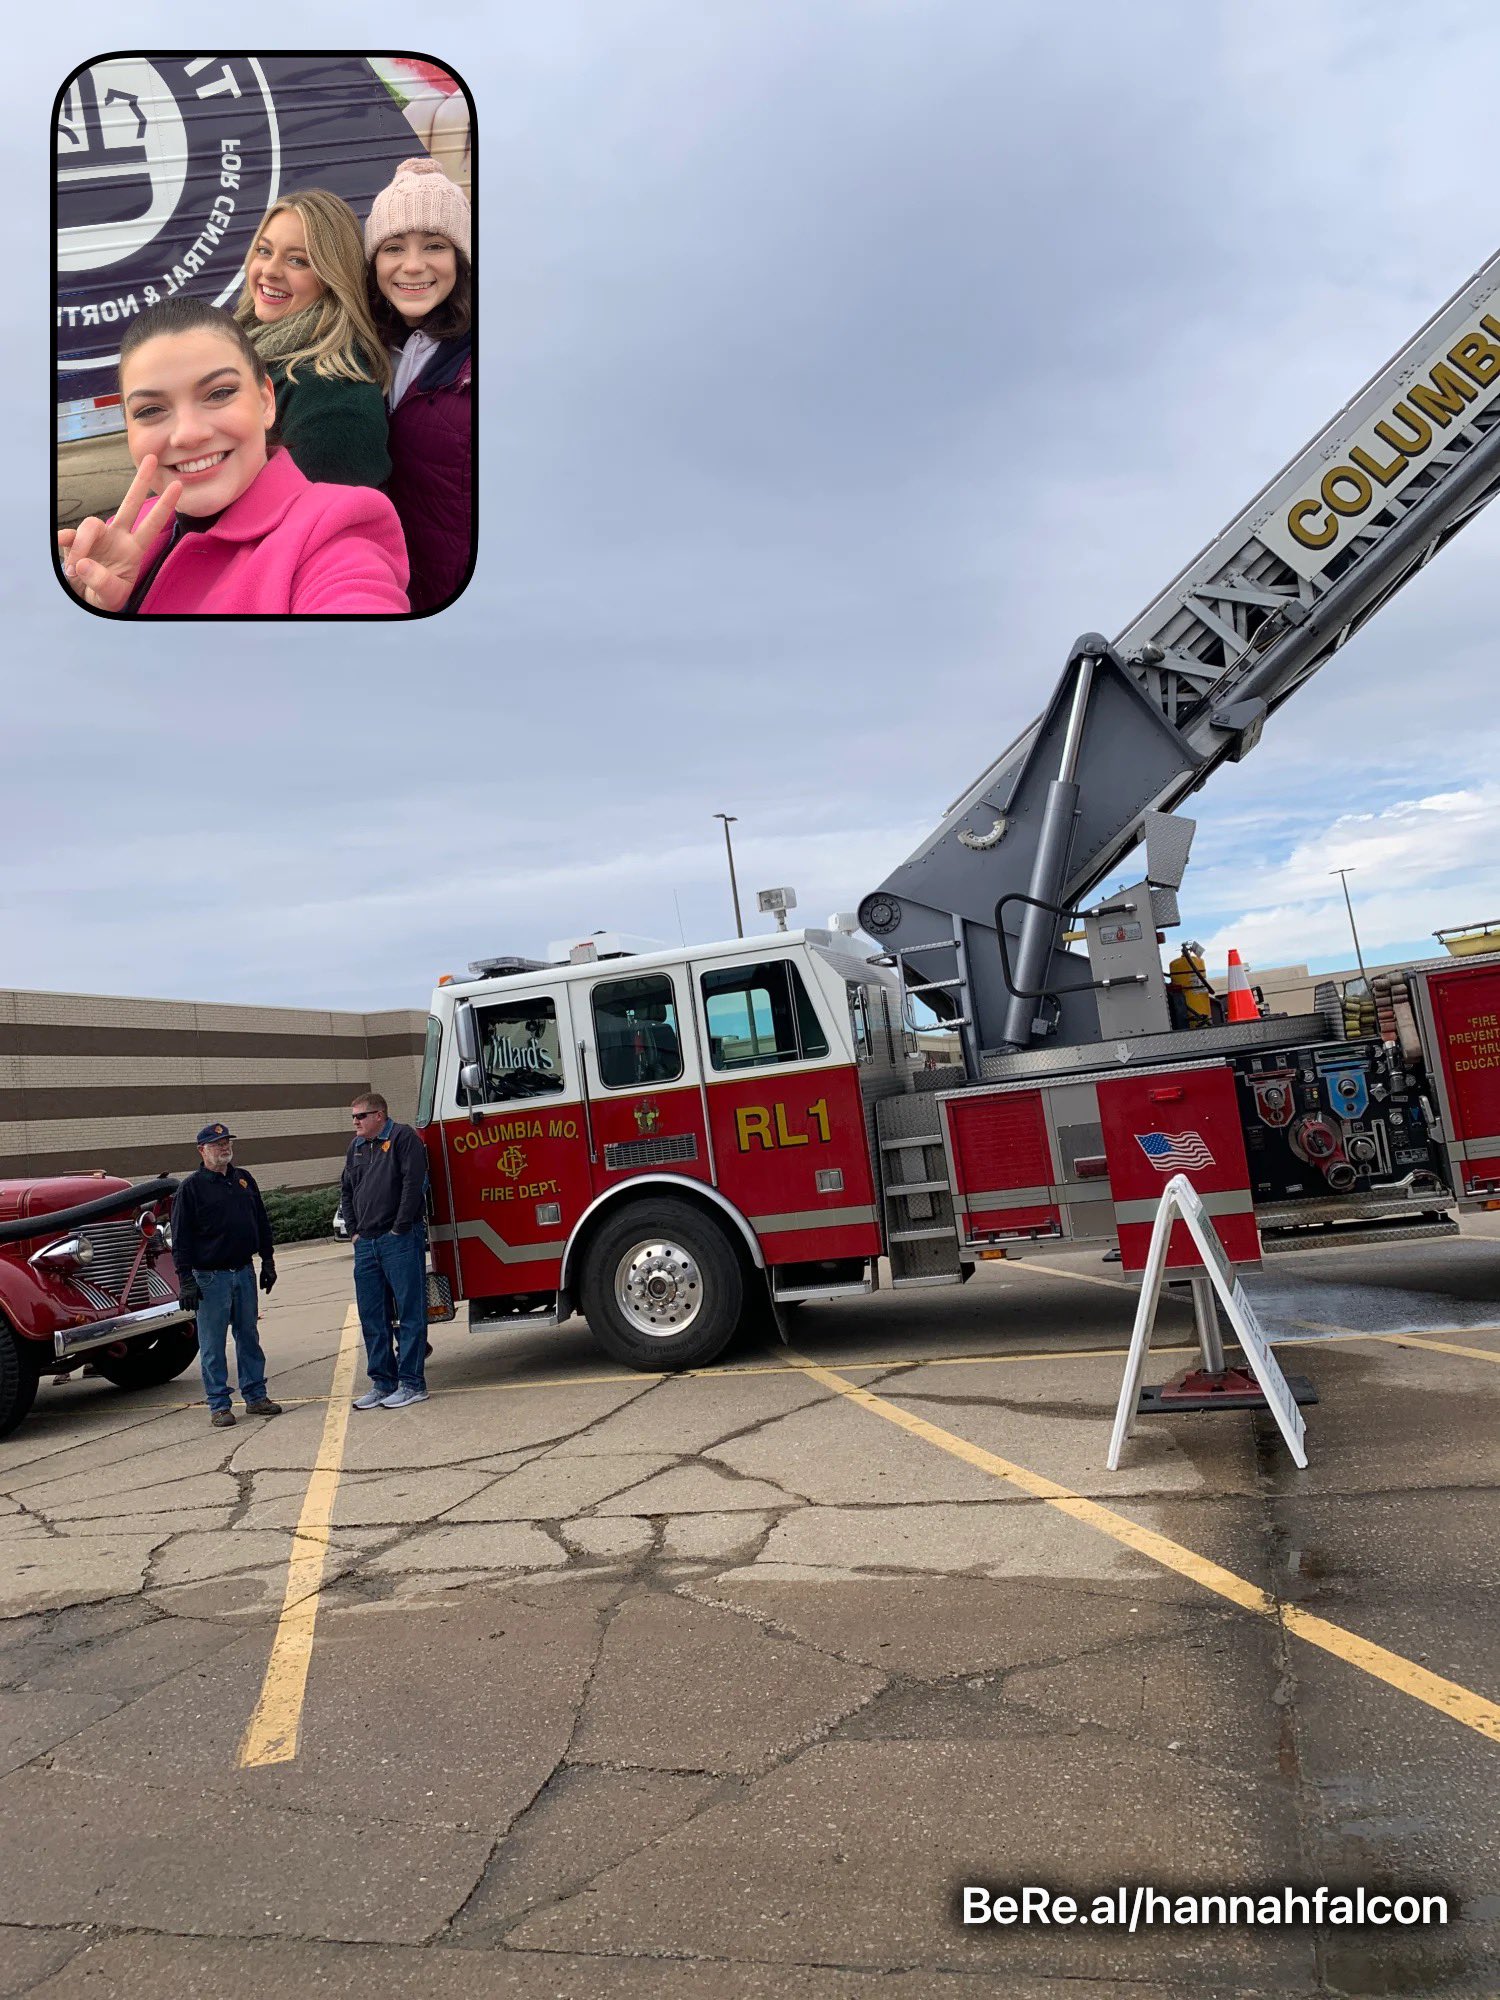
[(271, 1737), (1405, 1339), (1460, 1704), (975, 1360), (1093, 1278), (1442, 1346)]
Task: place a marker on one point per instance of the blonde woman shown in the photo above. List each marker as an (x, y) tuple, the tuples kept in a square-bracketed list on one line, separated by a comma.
[(304, 308)]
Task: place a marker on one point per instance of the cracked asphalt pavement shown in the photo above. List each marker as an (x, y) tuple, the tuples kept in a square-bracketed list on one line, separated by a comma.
[(720, 1685)]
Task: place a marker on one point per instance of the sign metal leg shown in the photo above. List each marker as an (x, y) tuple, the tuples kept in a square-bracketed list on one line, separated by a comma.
[(1206, 1323)]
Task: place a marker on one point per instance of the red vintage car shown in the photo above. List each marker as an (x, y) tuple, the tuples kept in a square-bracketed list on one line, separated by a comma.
[(86, 1276)]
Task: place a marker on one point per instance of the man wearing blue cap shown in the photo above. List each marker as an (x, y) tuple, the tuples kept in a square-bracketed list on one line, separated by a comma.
[(219, 1222)]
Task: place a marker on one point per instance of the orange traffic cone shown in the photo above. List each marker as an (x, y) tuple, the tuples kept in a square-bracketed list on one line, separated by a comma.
[(1242, 1005)]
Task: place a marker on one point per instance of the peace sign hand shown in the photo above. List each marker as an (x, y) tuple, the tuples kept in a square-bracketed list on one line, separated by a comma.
[(102, 559)]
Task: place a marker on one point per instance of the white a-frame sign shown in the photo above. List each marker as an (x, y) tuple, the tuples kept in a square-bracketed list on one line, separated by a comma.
[(1180, 1198)]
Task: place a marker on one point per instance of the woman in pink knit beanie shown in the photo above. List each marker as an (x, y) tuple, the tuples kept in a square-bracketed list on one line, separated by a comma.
[(418, 243)]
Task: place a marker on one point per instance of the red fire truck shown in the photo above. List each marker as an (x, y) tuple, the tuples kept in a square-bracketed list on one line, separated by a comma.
[(671, 1143), (86, 1279), (667, 1141)]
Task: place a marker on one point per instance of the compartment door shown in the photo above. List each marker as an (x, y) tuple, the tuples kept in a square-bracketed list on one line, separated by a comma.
[(1004, 1176), (1163, 1122), (1465, 1012)]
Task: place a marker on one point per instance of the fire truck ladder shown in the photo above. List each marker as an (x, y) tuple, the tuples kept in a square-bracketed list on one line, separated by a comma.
[(920, 1234), (915, 986), (920, 1231), (1190, 682)]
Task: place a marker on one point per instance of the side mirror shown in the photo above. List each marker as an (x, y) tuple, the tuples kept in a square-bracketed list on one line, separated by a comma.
[(471, 1080), (466, 1034)]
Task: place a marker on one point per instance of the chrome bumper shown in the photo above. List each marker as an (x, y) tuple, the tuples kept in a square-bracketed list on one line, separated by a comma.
[(124, 1326)]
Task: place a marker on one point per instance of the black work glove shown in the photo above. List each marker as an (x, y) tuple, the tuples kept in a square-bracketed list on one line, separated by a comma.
[(189, 1297), (267, 1273)]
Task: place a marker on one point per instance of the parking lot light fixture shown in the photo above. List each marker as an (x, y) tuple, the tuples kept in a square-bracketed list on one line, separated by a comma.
[(734, 887), (1359, 957)]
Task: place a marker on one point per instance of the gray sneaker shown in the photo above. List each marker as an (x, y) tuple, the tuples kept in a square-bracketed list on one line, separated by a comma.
[(371, 1399), (403, 1397)]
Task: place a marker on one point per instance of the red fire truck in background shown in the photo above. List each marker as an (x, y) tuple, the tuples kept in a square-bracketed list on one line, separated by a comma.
[(663, 1141), (86, 1279)]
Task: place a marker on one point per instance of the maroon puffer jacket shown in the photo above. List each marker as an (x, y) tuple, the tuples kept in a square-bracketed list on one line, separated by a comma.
[(432, 473)]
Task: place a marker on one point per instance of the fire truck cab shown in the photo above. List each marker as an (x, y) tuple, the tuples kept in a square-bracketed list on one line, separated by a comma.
[(665, 1141)]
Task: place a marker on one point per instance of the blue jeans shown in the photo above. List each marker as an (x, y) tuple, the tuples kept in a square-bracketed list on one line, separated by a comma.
[(230, 1296), (390, 1285)]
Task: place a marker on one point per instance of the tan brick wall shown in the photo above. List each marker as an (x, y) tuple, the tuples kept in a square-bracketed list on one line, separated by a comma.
[(93, 1080)]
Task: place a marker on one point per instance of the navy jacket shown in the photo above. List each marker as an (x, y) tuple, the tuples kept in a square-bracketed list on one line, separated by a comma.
[(219, 1222), (385, 1182)]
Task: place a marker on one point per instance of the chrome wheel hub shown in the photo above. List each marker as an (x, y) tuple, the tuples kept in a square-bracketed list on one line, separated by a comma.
[(659, 1288)]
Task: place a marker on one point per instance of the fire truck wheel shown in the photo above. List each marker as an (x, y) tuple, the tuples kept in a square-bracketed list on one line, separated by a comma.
[(19, 1373), (148, 1363), (663, 1287)]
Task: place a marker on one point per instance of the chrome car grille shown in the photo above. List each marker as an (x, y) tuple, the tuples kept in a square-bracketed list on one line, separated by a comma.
[(115, 1246), (155, 1292)]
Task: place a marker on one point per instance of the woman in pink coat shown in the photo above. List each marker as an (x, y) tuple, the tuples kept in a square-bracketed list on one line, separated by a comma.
[(237, 530)]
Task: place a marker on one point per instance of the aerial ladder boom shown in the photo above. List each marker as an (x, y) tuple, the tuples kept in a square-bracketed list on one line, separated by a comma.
[(1135, 726)]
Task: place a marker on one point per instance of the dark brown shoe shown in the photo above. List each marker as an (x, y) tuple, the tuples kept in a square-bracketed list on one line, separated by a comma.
[(264, 1408), (222, 1419)]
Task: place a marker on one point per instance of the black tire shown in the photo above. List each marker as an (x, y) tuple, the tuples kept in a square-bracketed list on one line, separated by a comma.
[(663, 1287), (146, 1364), (20, 1371)]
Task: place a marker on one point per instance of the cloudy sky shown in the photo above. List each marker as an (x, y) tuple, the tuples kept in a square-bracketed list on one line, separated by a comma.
[(841, 362)]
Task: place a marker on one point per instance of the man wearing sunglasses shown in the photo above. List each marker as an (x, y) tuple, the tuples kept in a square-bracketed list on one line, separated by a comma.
[(383, 1192)]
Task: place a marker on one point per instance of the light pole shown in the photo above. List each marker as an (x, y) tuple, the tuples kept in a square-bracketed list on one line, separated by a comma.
[(1343, 875), (734, 887)]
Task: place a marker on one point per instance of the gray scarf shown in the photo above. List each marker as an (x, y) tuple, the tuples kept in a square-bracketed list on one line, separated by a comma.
[(274, 340)]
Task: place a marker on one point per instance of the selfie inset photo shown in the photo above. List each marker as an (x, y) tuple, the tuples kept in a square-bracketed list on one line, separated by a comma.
[(265, 340)]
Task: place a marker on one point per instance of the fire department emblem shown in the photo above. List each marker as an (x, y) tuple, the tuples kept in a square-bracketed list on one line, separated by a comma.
[(647, 1116), (512, 1163)]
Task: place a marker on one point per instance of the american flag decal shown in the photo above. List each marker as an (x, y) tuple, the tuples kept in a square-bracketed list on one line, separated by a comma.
[(1174, 1152)]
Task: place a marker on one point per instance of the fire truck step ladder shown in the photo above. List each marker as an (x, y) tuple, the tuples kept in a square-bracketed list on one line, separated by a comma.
[(921, 1239), (916, 985)]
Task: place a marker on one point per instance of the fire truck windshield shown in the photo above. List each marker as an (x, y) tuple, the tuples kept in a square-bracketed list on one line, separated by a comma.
[(519, 1047)]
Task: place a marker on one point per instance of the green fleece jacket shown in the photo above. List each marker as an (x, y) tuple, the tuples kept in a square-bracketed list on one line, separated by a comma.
[(335, 430)]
